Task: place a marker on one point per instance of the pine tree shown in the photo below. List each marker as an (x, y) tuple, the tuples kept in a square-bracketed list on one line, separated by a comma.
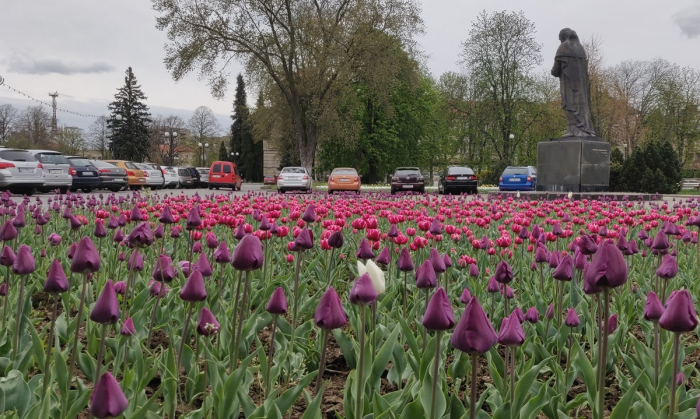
[(223, 153), (129, 121), (250, 160)]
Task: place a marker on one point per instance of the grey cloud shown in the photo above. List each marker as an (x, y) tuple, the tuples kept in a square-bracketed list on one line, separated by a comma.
[(688, 20), (25, 64)]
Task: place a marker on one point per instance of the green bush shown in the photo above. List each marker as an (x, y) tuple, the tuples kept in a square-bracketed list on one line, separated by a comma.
[(653, 167)]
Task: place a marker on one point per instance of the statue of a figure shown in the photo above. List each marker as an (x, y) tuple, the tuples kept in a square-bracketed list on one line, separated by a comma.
[(571, 66)]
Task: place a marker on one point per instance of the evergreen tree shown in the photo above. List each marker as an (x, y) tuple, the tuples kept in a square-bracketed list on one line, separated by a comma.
[(223, 153), (129, 121), (250, 160)]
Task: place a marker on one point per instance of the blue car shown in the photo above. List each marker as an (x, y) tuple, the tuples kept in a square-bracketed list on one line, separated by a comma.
[(518, 178)]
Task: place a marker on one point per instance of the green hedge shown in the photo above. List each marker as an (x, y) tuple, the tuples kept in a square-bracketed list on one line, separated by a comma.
[(653, 167)]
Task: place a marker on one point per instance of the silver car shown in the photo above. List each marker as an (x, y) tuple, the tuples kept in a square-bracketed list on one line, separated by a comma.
[(171, 178), (56, 170), (20, 171), (203, 175), (184, 177), (154, 175), (294, 178)]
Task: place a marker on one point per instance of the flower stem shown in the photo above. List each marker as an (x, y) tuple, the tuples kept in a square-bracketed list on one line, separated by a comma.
[(74, 350), (7, 303), (233, 320), (405, 292), (672, 401), (657, 353), (49, 346), (100, 353), (436, 376), (330, 269), (153, 316), (271, 354), (295, 298), (566, 371), (18, 320), (603, 362), (360, 383), (241, 318), (512, 379), (322, 362), (182, 343), (472, 386)]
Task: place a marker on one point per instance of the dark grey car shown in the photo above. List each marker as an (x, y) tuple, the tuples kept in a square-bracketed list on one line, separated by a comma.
[(111, 177)]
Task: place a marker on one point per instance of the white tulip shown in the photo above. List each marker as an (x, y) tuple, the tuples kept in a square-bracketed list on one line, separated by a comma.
[(377, 276), (361, 269)]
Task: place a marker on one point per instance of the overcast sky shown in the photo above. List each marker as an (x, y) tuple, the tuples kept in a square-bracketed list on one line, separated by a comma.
[(82, 48)]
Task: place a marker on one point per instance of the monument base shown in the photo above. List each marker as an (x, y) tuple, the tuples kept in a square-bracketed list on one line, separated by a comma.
[(573, 164)]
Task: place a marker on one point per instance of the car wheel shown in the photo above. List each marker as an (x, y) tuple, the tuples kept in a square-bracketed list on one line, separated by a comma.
[(475, 191), (114, 189), (86, 190), (30, 191), (393, 192), (210, 187), (63, 190)]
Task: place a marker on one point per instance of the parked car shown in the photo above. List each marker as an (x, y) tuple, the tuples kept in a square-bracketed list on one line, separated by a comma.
[(154, 175), (269, 180), (85, 175), (458, 179), (111, 177), (518, 178), (20, 171), (344, 179), (407, 179), (134, 174), (294, 178), (203, 174), (56, 170), (196, 179), (224, 174), (171, 177), (184, 177)]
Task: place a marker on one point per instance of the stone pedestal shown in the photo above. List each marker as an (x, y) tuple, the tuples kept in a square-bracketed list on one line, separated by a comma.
[(573, 165)]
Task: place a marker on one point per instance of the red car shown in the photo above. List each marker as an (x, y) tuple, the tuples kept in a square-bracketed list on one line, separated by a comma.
[(269, 180)]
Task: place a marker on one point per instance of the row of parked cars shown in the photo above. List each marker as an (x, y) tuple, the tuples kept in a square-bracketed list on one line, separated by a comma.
[(27, 171)]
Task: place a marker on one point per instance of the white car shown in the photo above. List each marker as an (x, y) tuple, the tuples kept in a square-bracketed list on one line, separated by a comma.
[(153, 173), (203, 175), (56, 170), (20, 171), (171, 177), (294, 178)]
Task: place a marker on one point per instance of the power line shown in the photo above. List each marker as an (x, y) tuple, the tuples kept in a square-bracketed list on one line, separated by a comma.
[(49, 105)]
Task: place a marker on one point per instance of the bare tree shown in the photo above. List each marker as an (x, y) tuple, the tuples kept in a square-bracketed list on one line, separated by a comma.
[(71, 141), (8, 117), (311, 50), (34, 126), (203, 127), (98, 137), (168, 148)]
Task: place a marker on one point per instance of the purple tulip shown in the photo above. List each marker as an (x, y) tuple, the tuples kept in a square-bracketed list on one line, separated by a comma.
[(556, 230), (166, 215), (100, 230), (265, 224), (107, 399), (405, 264), (438, 315), (248, 254), (75, 224), (106, 308), (531, 315), (329, 312), (193, 218), (24, 263), (466, 297), (536, 231), (607, 269), (436, 261), (136, 214), (518, 313), (384, 257), (660, 241), (141, 235), (194, 289), (653, 309), (612, 324), (508, 293), (493, 286), (174, 233), (203, 266), (554, 258), (120, 287), (222, 254), (304, 241), (157, 289), (54, 239), (121, 257), (473, 270), (435, 227), (164, 270), (197, 248), (112, 222), (336, 240), (8, 232), (587, 245), (207, 324), (3, 289), (309, 215), (603, 231), (679, 315), (128, 328), (364, 251), (159, 232), (541, 254), (278, 302), (680, 379), (549, 313), (86, 258), (668, 268), (579, 260), (363, 292), (118, 236), (240, 232), (572, 319), (511, 333), (211, 241), (447, 260), (425, 276), (565, 270), (523, 233), (184, 268), (474, 332), (56, 280), (393, 231), (504, 273), (135, 262), (7, 257)]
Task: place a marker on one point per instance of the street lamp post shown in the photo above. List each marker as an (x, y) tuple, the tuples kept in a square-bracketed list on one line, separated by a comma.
[(171, 151), (203, 156), (113, 144), (234, 157)]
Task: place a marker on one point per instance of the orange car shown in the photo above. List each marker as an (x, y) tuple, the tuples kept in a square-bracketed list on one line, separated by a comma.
[(344, 179), (136, 176)]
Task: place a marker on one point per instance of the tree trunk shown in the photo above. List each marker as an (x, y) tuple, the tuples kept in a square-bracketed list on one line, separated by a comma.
[(306, 138)]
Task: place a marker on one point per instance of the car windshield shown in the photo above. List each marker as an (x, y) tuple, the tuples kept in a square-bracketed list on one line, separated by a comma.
[(80, 162), (344, 172), (293, 170), (52, 158), (183, 172), (203, 171), (131, 165), (407, 172), (102, 164), (515, 171), (16, 155), (460, 171)]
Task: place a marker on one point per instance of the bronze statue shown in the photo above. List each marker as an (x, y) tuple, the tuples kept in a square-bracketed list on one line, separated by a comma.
[(571, 66)]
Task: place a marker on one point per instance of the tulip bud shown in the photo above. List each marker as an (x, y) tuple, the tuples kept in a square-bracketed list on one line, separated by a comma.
[(474, 332), (128, 328), (24, 263), (364, 251), (135, 262), (106, 308), (329, 312), (193, 218), (222, 254), (572, 319), (278, 302), (248, 254), (531, 315), (164, 270), (56, 280), (425, 276), (679, 315), (86, 258), (107, 399), (612, 324), (549, 313), (203, 266), (511, 333), (438, 315), (405, 264), (207, 324), (504, 273), (466, 297)]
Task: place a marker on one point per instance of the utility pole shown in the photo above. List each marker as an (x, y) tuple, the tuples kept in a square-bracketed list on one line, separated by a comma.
[(54, 123)]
